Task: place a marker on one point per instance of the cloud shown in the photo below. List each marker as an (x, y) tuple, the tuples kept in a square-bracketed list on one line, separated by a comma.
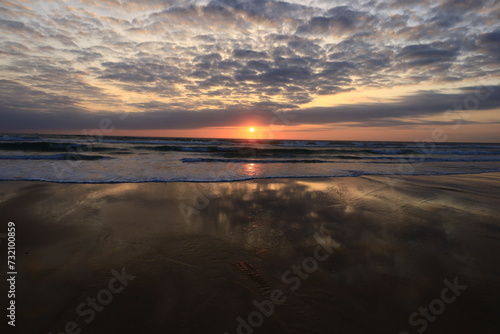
[(248, 54), (425, 54), (489, 44), (61, 112), (196, 55), (339, 20), (410, 109)]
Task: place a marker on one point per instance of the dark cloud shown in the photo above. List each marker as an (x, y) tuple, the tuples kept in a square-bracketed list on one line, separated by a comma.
[(24, 107), (339, 21), (446, 20), (60, 112), (304, 47), (489, 44), (407, 109), (462, 5), (425, 54), (248, 54), (263, 10)]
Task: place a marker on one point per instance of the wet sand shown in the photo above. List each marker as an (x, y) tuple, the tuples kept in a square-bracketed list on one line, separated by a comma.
[(358, 255)]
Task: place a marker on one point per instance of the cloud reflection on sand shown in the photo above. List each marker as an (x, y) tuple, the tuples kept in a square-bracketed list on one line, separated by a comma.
[(392, 249)]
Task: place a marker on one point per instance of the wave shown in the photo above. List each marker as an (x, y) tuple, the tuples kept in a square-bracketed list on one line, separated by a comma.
[(53, 147), (384, 145), (294, 143), (248, 151), (116, 140), (463, 152), (176, 148), (242, 147), (419, 160), (252, 151), (18, 138), (252, 161), (166, 142), (378, 160), (235, 151), (64, 156)]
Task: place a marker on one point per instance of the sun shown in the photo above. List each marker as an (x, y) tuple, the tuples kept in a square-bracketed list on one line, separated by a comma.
[(251, 130)]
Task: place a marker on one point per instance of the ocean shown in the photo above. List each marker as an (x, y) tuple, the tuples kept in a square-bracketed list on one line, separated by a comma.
[(79, 159)]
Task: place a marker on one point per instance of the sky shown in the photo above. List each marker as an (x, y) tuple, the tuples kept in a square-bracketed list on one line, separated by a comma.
[(408, 70)]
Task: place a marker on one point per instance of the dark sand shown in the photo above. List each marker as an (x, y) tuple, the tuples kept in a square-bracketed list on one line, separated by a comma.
[(392, 250)]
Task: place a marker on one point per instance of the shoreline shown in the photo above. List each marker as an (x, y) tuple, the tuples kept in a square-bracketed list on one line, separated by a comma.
[(273, 178)]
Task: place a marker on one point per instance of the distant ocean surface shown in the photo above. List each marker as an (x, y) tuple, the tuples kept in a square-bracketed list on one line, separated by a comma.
[(62, 158)]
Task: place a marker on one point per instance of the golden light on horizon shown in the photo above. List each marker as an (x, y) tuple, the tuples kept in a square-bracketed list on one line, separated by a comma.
[(251, 129)]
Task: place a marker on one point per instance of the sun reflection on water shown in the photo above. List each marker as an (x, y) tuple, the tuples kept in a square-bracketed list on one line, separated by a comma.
[(252, 169)]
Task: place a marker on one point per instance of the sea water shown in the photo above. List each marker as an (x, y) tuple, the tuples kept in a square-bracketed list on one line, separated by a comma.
[(68, 158)]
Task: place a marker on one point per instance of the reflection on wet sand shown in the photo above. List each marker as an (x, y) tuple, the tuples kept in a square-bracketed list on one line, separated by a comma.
[(392, 249)]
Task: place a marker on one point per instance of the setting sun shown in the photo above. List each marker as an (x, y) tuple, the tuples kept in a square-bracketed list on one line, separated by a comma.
[(251, 130)]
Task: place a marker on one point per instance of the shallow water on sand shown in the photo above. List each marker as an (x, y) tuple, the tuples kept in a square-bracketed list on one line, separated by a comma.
[(351, 255)]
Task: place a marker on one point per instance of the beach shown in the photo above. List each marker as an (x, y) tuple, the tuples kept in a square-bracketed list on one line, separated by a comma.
[(313, 255), (250, 167)]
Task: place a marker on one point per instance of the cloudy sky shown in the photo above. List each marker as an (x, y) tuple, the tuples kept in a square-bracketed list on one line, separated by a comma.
[(305, 69)]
